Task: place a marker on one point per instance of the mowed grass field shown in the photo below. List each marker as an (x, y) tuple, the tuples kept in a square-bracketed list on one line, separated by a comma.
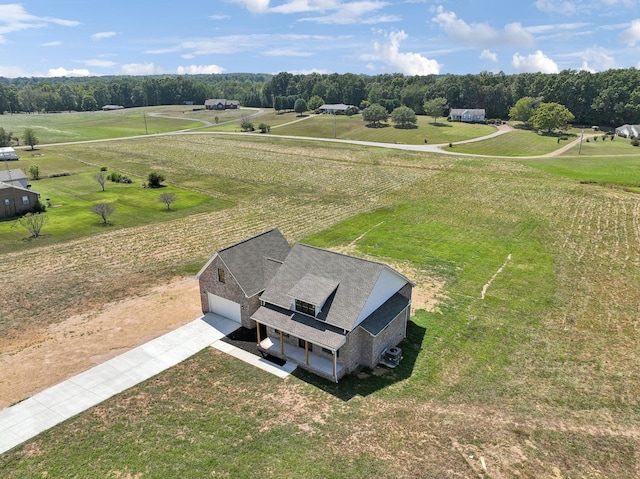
[(354, 128), (514, 143), (538, 378), (69, 127)]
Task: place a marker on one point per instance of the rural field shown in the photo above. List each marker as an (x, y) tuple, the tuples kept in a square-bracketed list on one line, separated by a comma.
[(523, 363)]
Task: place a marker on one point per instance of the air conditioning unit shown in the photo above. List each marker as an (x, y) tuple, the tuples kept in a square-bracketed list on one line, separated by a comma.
[(391, 357)]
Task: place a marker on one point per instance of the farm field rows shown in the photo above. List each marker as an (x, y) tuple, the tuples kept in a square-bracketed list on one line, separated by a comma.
[(536, 379)]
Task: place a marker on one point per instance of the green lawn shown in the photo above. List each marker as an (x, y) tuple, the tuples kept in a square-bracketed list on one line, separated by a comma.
[(66, 127), (618, 147), (72, 197), (614, 171), (354, 128), (515, 143), (539, 377)]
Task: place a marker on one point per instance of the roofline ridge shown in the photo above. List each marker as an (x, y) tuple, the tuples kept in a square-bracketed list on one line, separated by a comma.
[(249, 239)]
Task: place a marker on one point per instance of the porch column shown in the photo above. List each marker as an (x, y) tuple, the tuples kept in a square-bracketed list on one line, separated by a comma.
[(306, 352), (281, 343), (333, 354), (258, 331)]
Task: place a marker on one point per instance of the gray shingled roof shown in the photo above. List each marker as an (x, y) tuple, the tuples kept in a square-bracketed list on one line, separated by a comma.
[(301, 326), (379, 319), (253, 262), (12, 176), (355, 277), (313, 289)]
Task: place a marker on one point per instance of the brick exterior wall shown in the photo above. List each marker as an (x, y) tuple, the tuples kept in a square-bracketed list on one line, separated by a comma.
[(230, 290)]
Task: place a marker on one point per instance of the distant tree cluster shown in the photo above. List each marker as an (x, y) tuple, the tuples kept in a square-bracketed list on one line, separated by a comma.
[(609, 98)]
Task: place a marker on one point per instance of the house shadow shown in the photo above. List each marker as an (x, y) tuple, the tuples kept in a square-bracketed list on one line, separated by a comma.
[(368, 381)]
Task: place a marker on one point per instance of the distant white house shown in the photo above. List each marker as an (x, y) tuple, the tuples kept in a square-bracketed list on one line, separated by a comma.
[(112, 107), (337, 108), (467, 115), (628, 131), (221, 104), (8, 153)]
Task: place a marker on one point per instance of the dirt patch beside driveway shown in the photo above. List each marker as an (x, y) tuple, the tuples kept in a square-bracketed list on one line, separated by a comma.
[(40, 358)]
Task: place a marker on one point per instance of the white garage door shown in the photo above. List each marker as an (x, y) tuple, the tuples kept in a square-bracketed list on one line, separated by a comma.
[(224, 307)]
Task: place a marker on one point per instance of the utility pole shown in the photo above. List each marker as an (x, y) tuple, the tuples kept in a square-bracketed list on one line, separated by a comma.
[(581, 137)]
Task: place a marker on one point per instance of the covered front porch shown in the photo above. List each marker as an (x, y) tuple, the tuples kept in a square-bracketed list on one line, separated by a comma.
[(329, 369)]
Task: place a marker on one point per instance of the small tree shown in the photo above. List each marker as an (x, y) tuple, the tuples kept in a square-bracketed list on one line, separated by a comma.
[(246, 124), (216, 119), (103, 210), (264, 128), (33, 222), (34, 171), (300, 106), (315, 102), (524, 109), (551, 116), (374, 115), (167, 199), (30, 138), (101, 178), (5, 137), (435, 107), (154, 179), (404, 117)]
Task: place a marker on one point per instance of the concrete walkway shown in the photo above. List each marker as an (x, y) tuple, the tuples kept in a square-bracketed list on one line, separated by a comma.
[(50, 407)]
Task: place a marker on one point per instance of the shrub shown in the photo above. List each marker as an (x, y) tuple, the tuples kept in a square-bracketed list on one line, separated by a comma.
[(57, 175), (154, 179), (103, 168), (39, 207), (635, 142), (264, 128), (114, 177)]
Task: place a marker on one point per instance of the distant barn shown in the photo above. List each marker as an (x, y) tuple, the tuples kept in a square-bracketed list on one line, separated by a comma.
[(628, 131)]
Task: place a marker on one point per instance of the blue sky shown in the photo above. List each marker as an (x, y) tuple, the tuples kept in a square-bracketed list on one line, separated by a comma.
[(142, 37)]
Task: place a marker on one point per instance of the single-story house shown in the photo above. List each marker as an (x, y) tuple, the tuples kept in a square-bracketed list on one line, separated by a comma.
[(628, 131), (221, 104), (467, 115), (328, 312), (8, 153), (337, 109), (15, 196), (112, 107)]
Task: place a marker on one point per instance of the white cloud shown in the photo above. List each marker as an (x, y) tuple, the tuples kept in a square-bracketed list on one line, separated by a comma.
[(100, 63), (63, 72), (286, 52), (51, 44), (597, 59), (481, 33), (102, 35), (219, 17), (140, 69), (353, 12), (9, 71), (631, 35), (551, 6), (407, 63), (199, 70), (13, 18), (308, 72), (536, 62), (489, 55), (303, 6), (255, 6)]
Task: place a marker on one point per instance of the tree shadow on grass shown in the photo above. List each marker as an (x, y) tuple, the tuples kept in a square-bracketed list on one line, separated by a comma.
[(369, 381), (441, 125), (406, 127), (379, 125)]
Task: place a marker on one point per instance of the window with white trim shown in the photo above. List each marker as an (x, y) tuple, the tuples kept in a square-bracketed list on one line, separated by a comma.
[(25, 200)]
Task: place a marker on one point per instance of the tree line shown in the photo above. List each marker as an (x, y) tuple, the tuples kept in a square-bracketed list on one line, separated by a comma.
[(607, 98)]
